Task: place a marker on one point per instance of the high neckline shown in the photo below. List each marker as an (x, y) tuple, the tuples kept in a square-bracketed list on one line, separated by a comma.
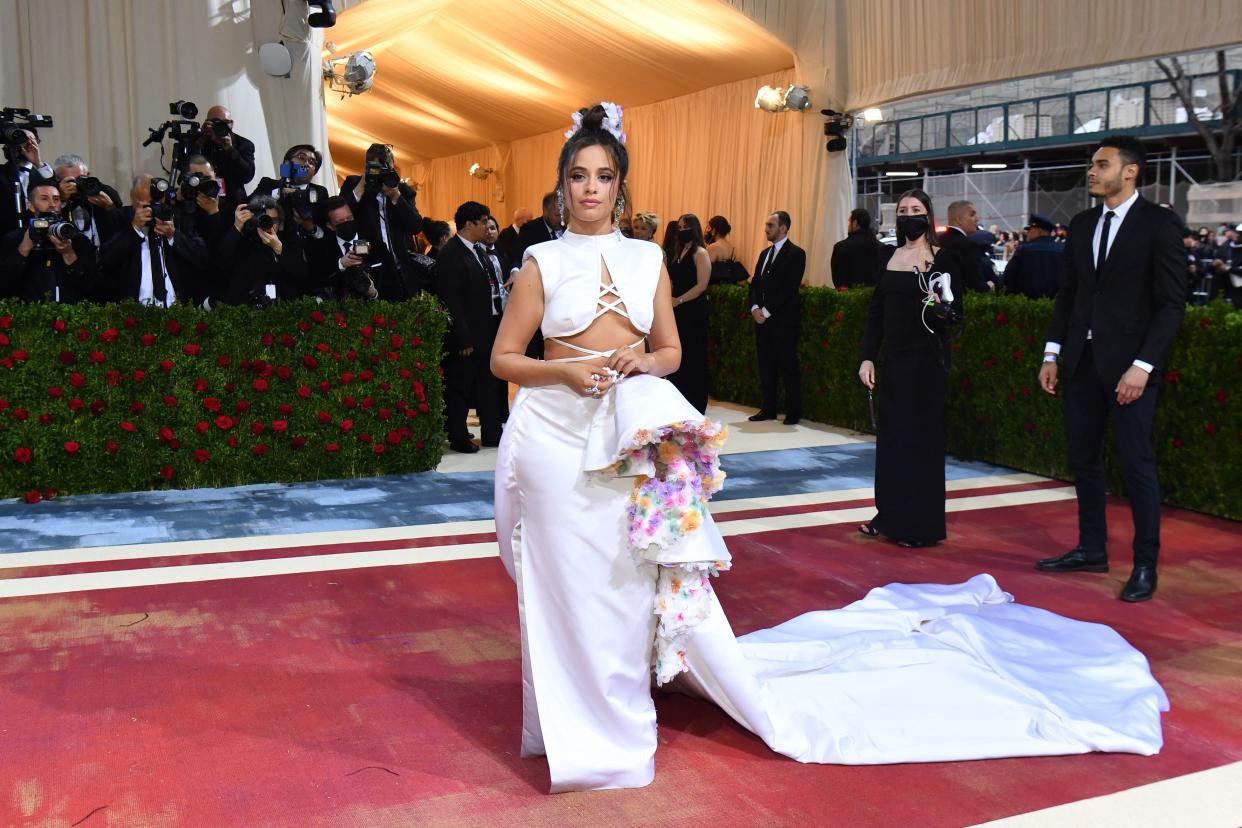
[(603, 239)]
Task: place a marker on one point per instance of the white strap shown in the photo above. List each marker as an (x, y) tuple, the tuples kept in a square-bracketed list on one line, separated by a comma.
[(587, 352)]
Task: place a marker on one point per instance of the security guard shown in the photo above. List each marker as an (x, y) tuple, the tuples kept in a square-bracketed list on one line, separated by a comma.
[(1037, 266)]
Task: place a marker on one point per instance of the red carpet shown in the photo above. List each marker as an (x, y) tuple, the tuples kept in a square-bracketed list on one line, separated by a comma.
[(390, 696)]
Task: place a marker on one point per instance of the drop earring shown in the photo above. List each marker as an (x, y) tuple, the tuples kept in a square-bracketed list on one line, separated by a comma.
[(620, 211), (560, 206)]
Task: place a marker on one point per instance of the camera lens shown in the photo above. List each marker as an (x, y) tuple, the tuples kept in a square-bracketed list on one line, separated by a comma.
[(265, 222), (89, 186), (220, 128), (210, 187)]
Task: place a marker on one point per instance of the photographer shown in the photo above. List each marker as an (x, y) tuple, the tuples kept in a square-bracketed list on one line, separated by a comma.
[(202, 207), (48, 258), (302, 200), (230, 154), (384, 207), (92, 206), (23, 163), (259, 259), (150, 258), (346, 262)]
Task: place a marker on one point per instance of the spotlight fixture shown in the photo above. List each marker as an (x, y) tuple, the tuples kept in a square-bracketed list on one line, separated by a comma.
[(777, 99), (872, 115), (357, 72), (480, 172), (324, 18), (990, 166), (835, 128)]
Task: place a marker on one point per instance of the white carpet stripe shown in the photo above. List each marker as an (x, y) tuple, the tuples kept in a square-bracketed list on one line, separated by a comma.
[(140, 551), (1208, 799), (53, 584)]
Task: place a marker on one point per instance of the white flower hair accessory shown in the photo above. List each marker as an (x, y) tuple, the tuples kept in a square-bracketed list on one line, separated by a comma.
[(612, 121)]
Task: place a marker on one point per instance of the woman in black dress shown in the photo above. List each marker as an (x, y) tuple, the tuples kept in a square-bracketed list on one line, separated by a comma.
[(908, 316), (689, 272)]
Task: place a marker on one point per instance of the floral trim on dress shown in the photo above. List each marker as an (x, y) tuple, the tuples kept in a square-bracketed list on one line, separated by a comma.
[(677, 471)]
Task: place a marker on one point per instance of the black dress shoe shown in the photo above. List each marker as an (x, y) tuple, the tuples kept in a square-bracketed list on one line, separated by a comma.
[(792, 420), (759, 417), (464, 446), (1075, 560), (1141, 586)]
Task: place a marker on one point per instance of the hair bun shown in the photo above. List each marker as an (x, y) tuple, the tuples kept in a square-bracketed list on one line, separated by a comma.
[(593, 117)]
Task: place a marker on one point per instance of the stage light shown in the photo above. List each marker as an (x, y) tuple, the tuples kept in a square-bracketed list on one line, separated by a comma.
[(872, 115), (480, 172), (356, 77), (777, 99), (770, 99), (325, 18), (797, 98)]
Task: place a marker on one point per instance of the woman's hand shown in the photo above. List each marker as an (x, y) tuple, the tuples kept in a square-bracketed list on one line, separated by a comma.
[(866, 373), (587, 380), (628, 361)]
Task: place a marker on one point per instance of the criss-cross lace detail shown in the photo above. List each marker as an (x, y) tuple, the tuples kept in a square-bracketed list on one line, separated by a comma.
[(603, 304)]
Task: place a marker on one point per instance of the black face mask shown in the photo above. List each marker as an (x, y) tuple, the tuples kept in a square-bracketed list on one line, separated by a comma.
[(685, 236), (911, 227), (346, 230)]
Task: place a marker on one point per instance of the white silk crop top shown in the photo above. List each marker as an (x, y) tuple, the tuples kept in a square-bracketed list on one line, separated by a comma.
[(574, 295)]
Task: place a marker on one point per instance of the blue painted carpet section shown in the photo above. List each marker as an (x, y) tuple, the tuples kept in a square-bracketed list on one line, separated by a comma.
[(377, 502)]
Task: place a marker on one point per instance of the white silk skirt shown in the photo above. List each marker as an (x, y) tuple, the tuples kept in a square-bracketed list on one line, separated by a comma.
[(909, 673)]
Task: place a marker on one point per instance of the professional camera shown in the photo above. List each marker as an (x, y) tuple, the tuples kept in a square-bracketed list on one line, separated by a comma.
[(381, 175), (262, 221), (220, 129), (46, 226), (183, 130), (301, 203), (360, 247), (194, 183), (161, 208), (89, 186), (357, 283), (13, 125)]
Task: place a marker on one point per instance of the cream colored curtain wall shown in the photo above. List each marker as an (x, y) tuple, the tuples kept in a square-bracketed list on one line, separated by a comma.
[(707, 153), (105, 70)]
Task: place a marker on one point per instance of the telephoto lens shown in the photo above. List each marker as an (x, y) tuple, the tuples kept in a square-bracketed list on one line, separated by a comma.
[(220, 129), (162, 211), (62, 230), (184, 109), (265, 223)]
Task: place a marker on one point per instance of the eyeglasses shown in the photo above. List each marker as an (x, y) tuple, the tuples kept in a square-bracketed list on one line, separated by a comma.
[(303, 156)]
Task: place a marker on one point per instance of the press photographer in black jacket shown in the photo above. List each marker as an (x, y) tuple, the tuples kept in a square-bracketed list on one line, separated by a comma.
[(150, 258), (92, 206), (384, 207), (335, 269), (301, 199), (49, 258), (230, 154), (259, 259)]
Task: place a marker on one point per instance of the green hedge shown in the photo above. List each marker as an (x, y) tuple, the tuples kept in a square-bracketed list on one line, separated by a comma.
[(996, 411), (123, 397)]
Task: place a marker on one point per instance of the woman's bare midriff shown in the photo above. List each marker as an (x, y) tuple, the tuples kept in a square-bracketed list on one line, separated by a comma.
[(607, 333)]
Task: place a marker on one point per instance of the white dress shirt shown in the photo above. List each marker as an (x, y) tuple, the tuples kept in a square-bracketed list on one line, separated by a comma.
[(776, 249), (146, 289), (1119, 215)]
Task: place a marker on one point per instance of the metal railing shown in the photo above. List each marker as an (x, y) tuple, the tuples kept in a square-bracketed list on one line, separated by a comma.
[(1144, 109)]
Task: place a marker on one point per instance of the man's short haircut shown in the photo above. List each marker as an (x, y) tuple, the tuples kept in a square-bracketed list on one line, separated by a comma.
[(954, 210), (436, 231), (549, 199), (1131, 150), (335, 202), (196, 159), (69, 160), (861, 217), (470, 211), (782, 219), (318, 155), (263, 203), (37, 181)]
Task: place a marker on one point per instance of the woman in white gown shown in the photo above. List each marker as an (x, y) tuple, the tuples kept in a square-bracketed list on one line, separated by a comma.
[(601, 483)]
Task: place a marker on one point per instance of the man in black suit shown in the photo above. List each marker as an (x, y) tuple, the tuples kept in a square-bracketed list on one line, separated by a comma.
[(507, 239), (962, 255), (22, 164), (261, 259), (231, 155), (859, 257), (97, 215), (335, 270), (545, 228), (1113, 324), (776, 306), (502, 265), (38, 266), (464, 283), (301, 199), (151, 260), (386, 210)]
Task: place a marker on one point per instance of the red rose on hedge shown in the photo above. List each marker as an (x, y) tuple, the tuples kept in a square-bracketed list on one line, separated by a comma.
[(76, 404), (166, 434), (317, 316), (58, 326), (167, 472), (349, 402), (322, 347), (267, 339), (114, 378), (364, 437), (285, 408), (346, 425), (21, 356), (259, 450), (331, 448), (72, 447), (31, 496), (97, 358), (23, 455), (224, 422), (170, 401), (201, 455), (223, 361), (384, 414), (148, 340), (55, 392), (190, 349), (4, 341), (139, 376), (1171, 376), (279, 425), (286, 340), (325, 386), (241, 406), (137, 407), (202, 426), (77, 380), (211, 403), (395, 340), (1211, 429), (310, 362), (6, 322), (201, 327), (45, 419), (66, 357), (366, 375), (111, 447), (304, 391), (285, 373), (98, 406), (378, 448), (298, 442), (256, 428), (126, 425), (324, 417), (367, 331), (303, 326), (259, 385), (167, 365), (378, 320), (172, 326), (394, 437), (422, 408), (232, 442)]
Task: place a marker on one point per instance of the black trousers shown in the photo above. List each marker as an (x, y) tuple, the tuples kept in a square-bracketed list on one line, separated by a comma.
[(776, 342), (469, 380), (1089, 404)]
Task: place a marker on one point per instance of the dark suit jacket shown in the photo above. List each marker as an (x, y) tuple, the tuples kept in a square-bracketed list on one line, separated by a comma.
[(249, 266), (510, 247), (120, 260), (106, 220), (12, 208), (964, 261), (267, 186), (1035, 270), (235, 166), (467, 296), (533, 232), (778, 289), (324, 275), (858, 259), (1134, 307), (404, 221), (32, 278)]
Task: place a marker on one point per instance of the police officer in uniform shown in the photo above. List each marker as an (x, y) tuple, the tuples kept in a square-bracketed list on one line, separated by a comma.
[(1036, 268)]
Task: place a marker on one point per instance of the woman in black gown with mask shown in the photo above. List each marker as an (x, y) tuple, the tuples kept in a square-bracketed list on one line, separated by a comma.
[(689, 271), (909, 446)]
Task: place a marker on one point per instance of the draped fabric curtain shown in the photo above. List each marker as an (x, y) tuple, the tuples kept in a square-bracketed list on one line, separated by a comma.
[(706, 153), (106, 70)]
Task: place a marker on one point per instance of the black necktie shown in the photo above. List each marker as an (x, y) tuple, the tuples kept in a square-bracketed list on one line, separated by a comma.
[(486, 262), (1103, 253), (158, 290)]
